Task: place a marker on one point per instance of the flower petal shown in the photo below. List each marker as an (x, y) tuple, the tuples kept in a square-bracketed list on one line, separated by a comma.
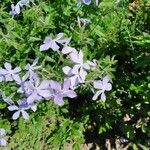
[(17, 8), (3, 72), (74, 81), (83, 74), (58, 99), (70, 93), (96, 95), (67, 49), (13, 107), (67, 70), (8, 66), (47, 40), (8, 77), (16, 115), (3, 142), (17, 70), (75, 69), (66, 84), (108, 87), (74, 58), (34, 108), (44, 84), (87, 2), (98, 84), (55, 85), (86, 66), (45, 93), (25, 115), (103, 97), (2, 132), (32, 97), (45, 46), (59, 36), (16, 78), (54, 46), (35, 62)]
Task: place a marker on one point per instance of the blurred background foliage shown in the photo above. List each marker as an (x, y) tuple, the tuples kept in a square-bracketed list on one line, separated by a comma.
[(118, 37)]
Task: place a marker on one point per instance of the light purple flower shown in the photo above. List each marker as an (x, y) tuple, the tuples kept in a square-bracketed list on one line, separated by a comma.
[(86, 2), (61, 91), (2, 140), (102, 86), (32, 68), (15, 9), (78, 72), (9, 73), (75, 79), (83, 20), (52, 43), (21, 109), (36, 90)]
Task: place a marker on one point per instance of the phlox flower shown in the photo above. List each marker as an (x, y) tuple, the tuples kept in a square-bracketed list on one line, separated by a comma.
[(31, 68), (36, 90), (21, 109), (77, 74), (83, 20), (86, 2), (101, 87), (10, 74), (61, 91), (16, 9), (75, 79), (2, 140), (53, 43), (80, 66)]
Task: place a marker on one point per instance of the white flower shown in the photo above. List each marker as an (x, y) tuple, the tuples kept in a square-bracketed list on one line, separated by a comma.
[(102, 86), (10, 74)]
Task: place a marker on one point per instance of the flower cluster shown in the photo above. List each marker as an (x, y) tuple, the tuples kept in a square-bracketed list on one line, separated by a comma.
[(35, 90), (79, 70)]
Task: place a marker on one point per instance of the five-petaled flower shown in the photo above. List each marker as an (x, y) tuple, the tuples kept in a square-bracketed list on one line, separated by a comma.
[(61, 91), (31, 68), (53, 43), (21, 109), (102, 86), (78, 72), (10, 74), (36, 90)]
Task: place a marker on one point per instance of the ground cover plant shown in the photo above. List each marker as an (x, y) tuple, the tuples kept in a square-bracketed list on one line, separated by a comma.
[(74, 72)]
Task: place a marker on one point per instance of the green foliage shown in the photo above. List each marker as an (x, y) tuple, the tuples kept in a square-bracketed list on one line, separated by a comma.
[(117, 38)]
